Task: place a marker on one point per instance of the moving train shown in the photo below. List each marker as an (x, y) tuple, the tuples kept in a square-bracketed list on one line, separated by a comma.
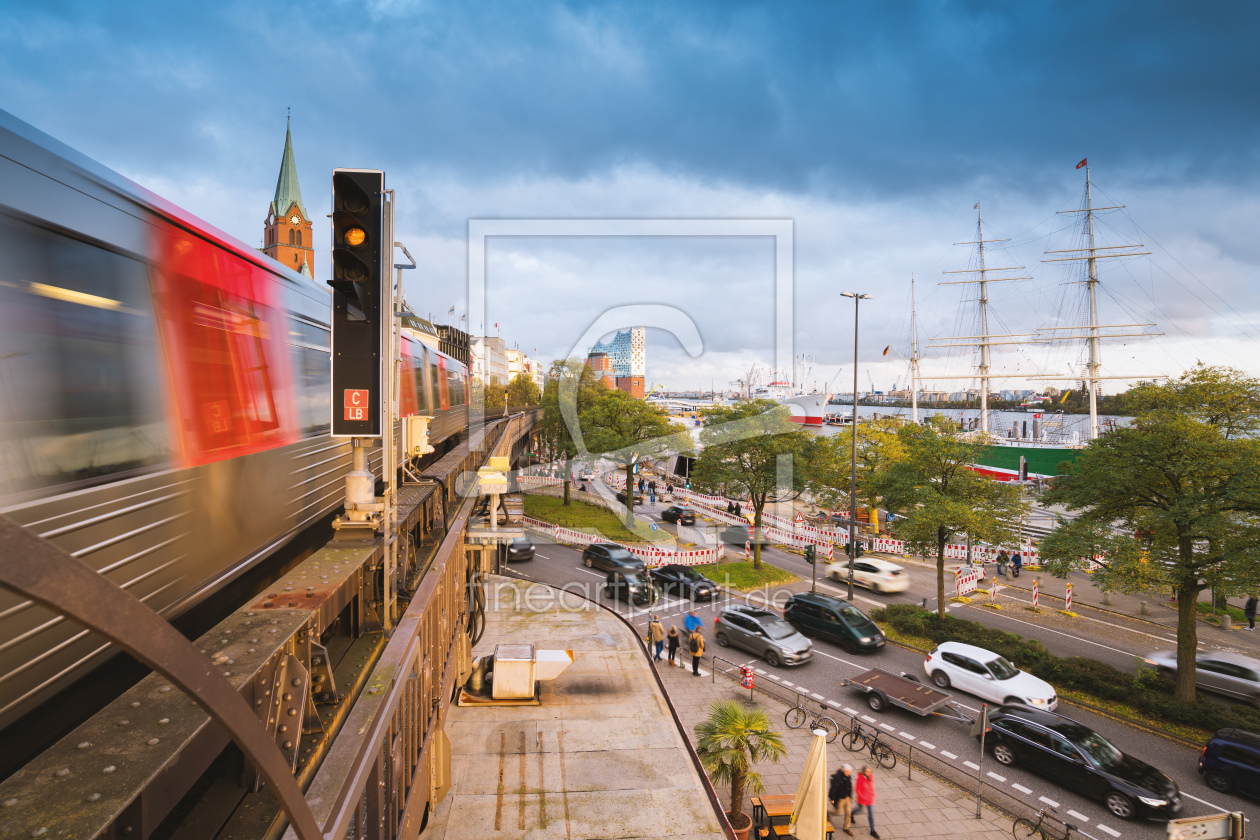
[(164, 399)]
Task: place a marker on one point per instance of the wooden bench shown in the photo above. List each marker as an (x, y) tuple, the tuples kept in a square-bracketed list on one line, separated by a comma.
[(781, 830)]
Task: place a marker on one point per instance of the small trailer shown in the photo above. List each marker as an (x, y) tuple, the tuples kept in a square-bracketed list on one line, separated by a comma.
[(883, 689)]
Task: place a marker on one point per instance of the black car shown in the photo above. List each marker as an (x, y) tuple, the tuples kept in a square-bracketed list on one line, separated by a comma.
[(630, 583), (679, 515), (684, 580), (520, 549), (1081, 760), (1231, 762), (621, 497), (609, 557), (833, 619), (738, 535)]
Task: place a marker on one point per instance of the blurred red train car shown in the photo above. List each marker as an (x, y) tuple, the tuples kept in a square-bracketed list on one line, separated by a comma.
[(164, 399)]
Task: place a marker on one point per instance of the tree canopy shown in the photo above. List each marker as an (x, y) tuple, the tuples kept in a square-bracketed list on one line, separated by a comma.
[(626, 430)]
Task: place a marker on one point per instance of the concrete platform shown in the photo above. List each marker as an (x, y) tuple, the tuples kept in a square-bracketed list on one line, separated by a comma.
[(600, 757)]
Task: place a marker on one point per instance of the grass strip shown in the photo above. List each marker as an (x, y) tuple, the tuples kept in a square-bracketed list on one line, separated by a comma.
[(740, 575), (581, 516)]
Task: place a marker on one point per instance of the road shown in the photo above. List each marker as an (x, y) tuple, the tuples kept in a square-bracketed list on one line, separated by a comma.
[(822, 678)]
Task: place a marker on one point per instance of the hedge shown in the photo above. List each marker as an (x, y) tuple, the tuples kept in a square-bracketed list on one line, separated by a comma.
[(1150, 694)]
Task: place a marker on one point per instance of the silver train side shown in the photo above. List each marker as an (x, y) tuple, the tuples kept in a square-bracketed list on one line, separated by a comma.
[(90, 424)]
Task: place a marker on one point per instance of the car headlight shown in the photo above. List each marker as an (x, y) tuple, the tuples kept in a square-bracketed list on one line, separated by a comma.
[(865, 640), (1036, 701), (1154, 803)]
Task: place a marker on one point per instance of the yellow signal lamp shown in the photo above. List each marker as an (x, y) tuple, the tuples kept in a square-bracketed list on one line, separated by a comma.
[(355, 237)]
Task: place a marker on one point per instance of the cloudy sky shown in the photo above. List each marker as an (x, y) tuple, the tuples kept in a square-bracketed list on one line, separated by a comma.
[(874, 127)]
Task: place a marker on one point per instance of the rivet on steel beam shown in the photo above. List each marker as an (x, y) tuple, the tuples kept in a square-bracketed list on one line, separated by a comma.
[(288, 745), (282, 729), (288, 696), (297, 681), (291, 712)]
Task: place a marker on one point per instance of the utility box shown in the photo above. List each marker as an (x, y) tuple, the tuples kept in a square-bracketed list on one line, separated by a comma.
[(513, 672)]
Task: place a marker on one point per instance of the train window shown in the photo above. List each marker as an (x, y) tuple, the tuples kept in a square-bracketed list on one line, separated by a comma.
[(80, 378), (309, 345), (456, 386), (435, 377)]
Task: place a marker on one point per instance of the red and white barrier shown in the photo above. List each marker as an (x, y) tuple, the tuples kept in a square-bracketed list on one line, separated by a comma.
[(1034, 593), (650, 555), (965, 581), (1069, 597)]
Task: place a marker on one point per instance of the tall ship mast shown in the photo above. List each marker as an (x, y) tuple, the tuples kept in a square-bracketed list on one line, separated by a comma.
[(1090, 331), (914, 357), (984, 339)]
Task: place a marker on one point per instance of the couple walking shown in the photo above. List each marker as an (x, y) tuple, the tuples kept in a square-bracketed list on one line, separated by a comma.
[(845, 788), (657, 637)]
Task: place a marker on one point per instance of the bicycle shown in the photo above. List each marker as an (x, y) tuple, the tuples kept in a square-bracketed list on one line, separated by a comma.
[(1025, 829), (858, 739), (797, 716)]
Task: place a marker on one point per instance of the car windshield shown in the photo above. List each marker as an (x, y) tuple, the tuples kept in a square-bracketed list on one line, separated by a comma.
[(690, 574), (1101, 751), (853, 616), (620, 555), (1002, 669), (633, 578), (777, 628)]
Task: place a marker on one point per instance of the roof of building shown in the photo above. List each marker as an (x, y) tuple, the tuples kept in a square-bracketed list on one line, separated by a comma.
[(288, 193)]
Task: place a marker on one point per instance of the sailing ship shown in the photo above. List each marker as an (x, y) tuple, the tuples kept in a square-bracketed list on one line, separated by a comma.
[(1014, 453)]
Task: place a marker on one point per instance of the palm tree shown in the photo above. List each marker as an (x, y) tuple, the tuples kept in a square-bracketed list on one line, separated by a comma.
[(731, 741)]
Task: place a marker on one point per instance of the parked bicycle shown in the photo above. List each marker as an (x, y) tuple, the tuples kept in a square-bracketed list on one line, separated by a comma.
[(858, 739), (798, 715), (1025, 829)]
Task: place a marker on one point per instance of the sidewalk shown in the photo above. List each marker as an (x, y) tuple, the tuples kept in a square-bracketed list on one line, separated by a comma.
[(904, 808)]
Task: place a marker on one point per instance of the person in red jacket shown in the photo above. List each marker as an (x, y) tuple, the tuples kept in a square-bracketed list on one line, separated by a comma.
[(864, 787)]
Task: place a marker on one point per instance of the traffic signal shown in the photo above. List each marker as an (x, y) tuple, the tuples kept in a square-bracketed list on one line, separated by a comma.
[(361, 245), (810, 553)]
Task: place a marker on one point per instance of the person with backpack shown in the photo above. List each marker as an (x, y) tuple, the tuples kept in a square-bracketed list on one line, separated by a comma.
[(1016, 563), (840, 794), (675, 638), (695, 644)]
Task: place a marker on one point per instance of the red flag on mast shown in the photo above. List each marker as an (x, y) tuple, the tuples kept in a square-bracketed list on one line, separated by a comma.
[(1082, 163)]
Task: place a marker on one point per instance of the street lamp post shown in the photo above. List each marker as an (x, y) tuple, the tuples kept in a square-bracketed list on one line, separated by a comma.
[(853, 455)]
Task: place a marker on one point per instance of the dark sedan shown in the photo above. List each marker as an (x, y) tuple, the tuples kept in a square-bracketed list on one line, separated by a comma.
[(621, 497), (738, 535), (1081, 760), (520, 549), (679, 515), (609, 557), (683, 580)]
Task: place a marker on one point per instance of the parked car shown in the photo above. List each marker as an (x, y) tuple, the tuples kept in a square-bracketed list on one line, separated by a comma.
[(638, 497), (679, 515), (762, 633), (876, 575), (738, 535), (833, 619), (587, 475), (609, 557), (1230, 762), (630, 583), (987, 675), (521, 548), (1081, 760), (1231, 674), (684, 580)]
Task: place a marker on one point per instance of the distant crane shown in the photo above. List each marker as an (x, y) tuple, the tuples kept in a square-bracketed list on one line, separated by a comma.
[(870, 380)]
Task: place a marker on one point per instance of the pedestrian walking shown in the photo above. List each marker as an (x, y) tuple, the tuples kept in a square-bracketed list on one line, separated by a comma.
[(864, 785), (1002, 560), (656, 635), (840, 794), (695, 644), (674, 638), (739, 510), (1017, 563), (730, 507), (1249, 610), (691, 622)]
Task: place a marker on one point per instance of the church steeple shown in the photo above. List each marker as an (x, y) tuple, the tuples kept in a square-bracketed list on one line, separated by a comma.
[(287, 231), (288, 192)]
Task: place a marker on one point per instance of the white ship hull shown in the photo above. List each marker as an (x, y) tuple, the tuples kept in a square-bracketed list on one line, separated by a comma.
[(807, 409)]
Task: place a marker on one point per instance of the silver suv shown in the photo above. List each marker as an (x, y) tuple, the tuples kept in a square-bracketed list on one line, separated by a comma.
[(762, 633)]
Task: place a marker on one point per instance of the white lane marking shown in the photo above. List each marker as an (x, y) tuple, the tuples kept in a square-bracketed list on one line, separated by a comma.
[(853, 712), (928, 745), (785, 682), (1020, 788), (889, 728), (1078, 815), (996, 776), (1049, 802), (1110, 831), (1204, 801), (773, 676), (833, 704), (759, 671), (948, 754), (971, 765), (856, 596), (906, 735), (802, 689), (543, 556), (589, 572), (816, 696), (868, 718)]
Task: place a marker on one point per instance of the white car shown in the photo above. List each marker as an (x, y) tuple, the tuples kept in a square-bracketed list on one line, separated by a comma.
[(876, 575), (586, 475), (988, 676)]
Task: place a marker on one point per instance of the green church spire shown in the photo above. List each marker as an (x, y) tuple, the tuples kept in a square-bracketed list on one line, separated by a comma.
[(288, 192)]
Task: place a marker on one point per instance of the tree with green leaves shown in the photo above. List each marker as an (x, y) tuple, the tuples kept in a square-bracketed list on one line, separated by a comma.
[(753, 450), (553, 430), (522, 390), (877, 447), (937, 495), (1171, 501), (729, 742), (626, 431)]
